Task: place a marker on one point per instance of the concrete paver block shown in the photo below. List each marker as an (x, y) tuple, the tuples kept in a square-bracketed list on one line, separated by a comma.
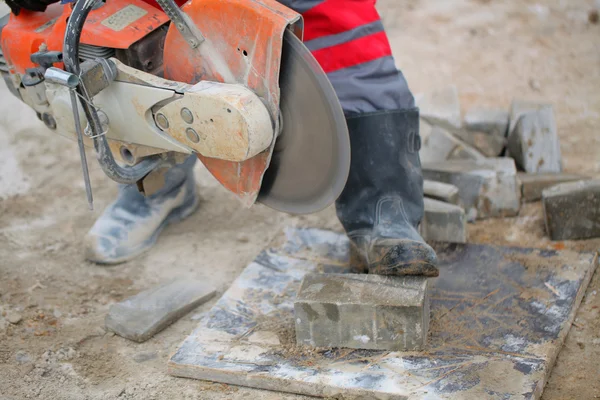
[(140, 317), (572, 210), (440, 145), (425, 129), (441, 107), (441, 191), (534, 143), (488, 188), (443, 222), (487, 144), (491, 121), (485, 130), (436, 146), (532, 185), (519, 108), (362, 311), (464, 151)]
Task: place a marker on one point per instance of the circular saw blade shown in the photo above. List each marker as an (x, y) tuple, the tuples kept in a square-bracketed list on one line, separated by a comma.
[(311, 159)]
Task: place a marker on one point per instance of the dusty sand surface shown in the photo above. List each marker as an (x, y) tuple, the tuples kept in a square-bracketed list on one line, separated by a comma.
[(493, 51)]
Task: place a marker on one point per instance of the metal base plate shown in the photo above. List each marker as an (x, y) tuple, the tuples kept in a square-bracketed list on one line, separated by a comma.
[(311, 161)]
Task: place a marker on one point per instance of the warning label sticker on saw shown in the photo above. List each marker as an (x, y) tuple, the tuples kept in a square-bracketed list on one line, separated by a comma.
[(46, 25), (124, 17)]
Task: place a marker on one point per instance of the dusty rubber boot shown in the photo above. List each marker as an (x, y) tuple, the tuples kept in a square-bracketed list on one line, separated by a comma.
[(381, 206), (132, 223)]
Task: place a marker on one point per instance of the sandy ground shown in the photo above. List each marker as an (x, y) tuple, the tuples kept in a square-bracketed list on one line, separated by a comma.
[(493, 51)]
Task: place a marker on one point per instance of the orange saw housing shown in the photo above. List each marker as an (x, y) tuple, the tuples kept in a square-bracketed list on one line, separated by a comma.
[(243, 45)]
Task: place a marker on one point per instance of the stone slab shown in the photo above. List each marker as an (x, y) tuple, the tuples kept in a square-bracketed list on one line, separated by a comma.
[(499, 317), (572, 210), (443, 222), (534, 142), (425, 129), (441, 107), (441, 191), (488, 188), (532, 185), (140, 317), (361, 311)]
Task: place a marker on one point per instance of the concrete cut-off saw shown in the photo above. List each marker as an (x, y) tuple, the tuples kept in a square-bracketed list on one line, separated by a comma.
[(149, 83)]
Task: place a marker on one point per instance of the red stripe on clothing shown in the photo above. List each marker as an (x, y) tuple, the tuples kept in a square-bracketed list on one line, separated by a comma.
[(336, 16), (358, 51)]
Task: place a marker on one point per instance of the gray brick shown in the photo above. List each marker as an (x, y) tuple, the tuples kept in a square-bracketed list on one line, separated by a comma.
[(440, 145), (488, 188), (532, 185), (441, 107), (362, 311), (441, 191), (534, 143), (572, 210), (443, 222), (140, 317)]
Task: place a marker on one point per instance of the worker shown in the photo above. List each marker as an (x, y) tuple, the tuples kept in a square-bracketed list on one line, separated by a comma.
[(381, 205)]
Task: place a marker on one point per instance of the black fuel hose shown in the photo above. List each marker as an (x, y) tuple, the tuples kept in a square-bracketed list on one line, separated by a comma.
[(125, 175)]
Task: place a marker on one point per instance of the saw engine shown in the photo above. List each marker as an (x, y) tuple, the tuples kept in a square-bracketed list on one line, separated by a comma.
[(147, 84)]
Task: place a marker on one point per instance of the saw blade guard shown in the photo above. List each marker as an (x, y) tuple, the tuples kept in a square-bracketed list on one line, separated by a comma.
[(244, 43)]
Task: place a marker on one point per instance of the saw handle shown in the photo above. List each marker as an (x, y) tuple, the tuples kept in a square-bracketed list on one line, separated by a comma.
[(125, 175)]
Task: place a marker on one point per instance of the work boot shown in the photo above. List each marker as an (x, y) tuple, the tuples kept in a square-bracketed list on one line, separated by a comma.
[(132, 223), (381, 206)]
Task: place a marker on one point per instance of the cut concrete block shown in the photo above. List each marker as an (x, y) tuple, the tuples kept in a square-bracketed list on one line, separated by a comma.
[(534, 143), (490, 121), (441, 191), (362, 311), (441, 107), (487, 144), (441, 145), (140, 317), (485, 130), (488, 188), (437, 146), (519, 108), (572, 210), (464, 151), (443, 222), (532, 185), (425, 129)]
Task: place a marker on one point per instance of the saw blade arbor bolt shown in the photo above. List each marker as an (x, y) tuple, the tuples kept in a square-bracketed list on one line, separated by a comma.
[(187, 116), (162, 121), (192, 135)]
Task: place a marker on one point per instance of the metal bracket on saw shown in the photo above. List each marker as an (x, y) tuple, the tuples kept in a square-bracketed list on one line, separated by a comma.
[(182, 22), (217, 120)]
